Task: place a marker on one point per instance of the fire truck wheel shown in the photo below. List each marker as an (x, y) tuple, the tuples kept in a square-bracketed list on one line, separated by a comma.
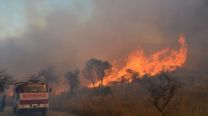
[(15, 109), (19, 114), (44, 113)]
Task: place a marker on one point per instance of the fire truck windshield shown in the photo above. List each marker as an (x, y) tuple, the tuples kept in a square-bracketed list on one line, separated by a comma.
[(33, 88)]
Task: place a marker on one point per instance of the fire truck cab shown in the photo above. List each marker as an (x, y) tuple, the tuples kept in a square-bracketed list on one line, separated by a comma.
[(31, 96)]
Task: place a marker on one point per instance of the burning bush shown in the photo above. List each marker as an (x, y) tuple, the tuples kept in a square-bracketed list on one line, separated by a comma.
[(95, 70), (165, 60)]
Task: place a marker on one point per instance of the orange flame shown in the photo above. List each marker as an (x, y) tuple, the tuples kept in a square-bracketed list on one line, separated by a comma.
[(165, 60)]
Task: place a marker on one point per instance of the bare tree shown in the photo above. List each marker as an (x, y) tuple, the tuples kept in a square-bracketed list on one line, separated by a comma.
[(95, 70), (5, 80), (162, 88), (48, 74), (73, 79)]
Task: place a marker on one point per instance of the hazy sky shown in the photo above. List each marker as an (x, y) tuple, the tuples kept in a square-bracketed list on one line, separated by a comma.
[(18, 15), (65, 33)]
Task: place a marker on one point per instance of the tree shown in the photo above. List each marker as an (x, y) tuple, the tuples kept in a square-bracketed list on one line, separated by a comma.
[(48, 74), (162, 88), (73, 79), (95, 70), (5, 80)]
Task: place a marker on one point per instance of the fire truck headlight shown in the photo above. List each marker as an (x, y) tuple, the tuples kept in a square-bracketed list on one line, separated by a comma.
[(23, 106)]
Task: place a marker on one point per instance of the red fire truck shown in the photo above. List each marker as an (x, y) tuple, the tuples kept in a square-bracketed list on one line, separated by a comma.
[(31, 96)]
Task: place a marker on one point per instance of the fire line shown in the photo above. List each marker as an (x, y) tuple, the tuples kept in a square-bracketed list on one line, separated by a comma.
[(165, 60)]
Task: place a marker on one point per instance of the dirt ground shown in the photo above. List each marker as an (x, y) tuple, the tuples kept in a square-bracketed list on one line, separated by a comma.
[(8, 112)]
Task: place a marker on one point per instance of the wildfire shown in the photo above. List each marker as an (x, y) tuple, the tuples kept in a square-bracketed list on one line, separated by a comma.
[(10, 92), (165, 60), (58, 91), (60, 87)]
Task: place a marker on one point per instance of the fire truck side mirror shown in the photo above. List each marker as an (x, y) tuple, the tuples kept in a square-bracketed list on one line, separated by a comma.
[(50, 90)]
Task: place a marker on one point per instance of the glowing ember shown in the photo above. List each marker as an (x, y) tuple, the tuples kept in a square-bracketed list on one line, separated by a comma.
[(161, 61)]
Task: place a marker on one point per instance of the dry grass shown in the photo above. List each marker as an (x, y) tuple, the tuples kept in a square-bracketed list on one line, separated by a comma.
[(133, 101)]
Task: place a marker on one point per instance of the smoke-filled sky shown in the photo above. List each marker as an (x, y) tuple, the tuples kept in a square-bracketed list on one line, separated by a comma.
[(64, 34)]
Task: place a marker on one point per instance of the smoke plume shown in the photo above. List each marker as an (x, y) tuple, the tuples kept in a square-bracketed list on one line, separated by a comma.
[(66, 34)]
